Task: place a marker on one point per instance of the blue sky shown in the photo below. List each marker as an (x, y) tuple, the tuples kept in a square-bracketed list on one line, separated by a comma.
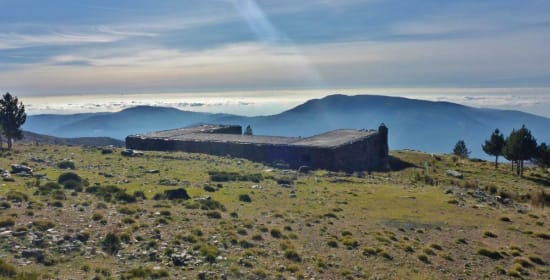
[(62, 47)]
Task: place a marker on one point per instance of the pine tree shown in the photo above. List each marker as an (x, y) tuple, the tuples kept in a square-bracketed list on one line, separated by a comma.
[(248, 131), (542, 156), (520, 146), (12, 116), (461, 150), (494, 145)]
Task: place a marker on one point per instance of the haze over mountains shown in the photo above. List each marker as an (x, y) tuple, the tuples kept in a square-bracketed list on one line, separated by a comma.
[(413, 124)]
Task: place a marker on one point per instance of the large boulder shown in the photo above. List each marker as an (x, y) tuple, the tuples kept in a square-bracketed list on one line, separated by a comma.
[(21, 169)]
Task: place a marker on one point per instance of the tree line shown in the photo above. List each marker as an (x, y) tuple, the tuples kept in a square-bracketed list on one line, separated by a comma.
[(12, 117), (518, 147)]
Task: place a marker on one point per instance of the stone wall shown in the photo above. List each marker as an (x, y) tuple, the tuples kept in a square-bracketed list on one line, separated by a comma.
[(368, 153)]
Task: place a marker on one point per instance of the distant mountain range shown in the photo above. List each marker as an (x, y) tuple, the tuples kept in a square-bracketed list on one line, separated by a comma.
[(31, 137), (413, 124)]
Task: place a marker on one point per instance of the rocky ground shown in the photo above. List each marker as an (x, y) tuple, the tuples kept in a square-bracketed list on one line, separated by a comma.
[(89, 213)]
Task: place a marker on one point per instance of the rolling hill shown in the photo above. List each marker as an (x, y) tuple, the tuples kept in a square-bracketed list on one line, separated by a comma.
[(414, 124)]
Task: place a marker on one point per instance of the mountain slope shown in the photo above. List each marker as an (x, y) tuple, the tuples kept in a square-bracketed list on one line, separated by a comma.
[(31, 137), (117, 125), (413, 124)]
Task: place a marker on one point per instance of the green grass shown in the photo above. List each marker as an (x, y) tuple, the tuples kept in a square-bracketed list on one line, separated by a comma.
[(335, 223)]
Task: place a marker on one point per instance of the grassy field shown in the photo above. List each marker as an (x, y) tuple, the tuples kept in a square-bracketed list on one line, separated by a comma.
[(258, 222)]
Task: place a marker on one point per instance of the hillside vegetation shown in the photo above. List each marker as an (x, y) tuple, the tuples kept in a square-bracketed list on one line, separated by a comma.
[(175, 215)]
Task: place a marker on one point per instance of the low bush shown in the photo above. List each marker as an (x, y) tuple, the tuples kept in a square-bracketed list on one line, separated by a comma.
[(213, 215), (42, 225), (245, 198), (224, 176), (66, 164), (111, 244), (7, 270), (17, 196), (489, 253), (7, 222), (292, 255), (68, 176)]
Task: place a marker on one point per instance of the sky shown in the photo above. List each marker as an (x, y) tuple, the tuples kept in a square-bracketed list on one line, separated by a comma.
[(79, 48)]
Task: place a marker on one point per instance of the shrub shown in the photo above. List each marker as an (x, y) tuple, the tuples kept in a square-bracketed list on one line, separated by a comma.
[(536, 259), (5, 205), (7, 222), (489, 234), (213, 215), (224, 176), (350, 243), (245, 198), (140, 194), (97, 216), (111, 244), (59, 195), (540, 199), (17, 196), (66, 164), (48, 187), (209, 252), (7, 270), (179, 193), (332, 243), (83, 236), (68, 176), (489, 253), (209, 188), (73, 185), (125, 197), (542, 235), (293, 256), (43, 225), (423, 258), (275, 233)]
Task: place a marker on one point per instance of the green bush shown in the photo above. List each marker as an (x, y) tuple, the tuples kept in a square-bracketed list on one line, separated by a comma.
[(209, 252), (43, 225), (111, 244), (7, 222), (245, 198), (224, 176), (213, 215), (73, 185), (66, 164), (48, 188), (7, 270), (489, 253), (68, 176), (293, 256), (17, 196)]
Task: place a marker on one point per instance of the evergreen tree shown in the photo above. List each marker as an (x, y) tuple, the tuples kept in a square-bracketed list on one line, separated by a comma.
[(520, 146), (494, 145), (12, 116), (542, 156), (248, 130), (461, 150)]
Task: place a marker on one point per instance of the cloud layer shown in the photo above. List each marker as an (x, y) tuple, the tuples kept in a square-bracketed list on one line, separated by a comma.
[(69, 47)]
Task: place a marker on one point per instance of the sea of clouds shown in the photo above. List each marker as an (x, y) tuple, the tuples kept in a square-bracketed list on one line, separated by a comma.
[(254, 103)]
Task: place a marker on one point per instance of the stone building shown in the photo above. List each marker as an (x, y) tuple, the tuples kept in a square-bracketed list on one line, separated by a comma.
[(337, 150)]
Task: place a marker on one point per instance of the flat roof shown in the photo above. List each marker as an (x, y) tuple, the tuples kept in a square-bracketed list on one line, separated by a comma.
[(207, 133)]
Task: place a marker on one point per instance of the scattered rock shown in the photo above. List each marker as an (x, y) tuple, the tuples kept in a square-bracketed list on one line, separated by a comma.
[(21, 169), (106, 151), (304, 169), (455, 174), (131, 153), (152, 171)]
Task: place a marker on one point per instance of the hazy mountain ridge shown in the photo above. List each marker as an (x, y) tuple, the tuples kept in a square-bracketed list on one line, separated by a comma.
[(32, 137), (414, 124)]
